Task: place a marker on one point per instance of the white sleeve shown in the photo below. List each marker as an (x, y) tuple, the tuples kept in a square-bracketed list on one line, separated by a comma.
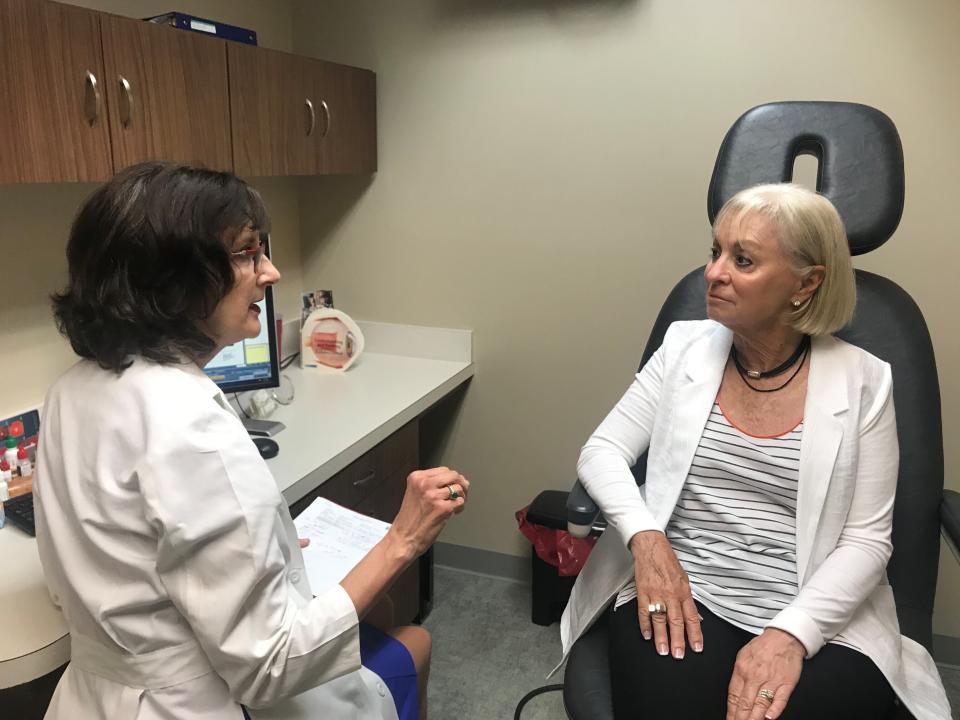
[(827, 601), (606, 459), (215, 508)]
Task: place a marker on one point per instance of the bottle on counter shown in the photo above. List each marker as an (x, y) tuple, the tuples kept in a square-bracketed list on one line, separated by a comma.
[(10, 454), (5, 477), (24, 466)]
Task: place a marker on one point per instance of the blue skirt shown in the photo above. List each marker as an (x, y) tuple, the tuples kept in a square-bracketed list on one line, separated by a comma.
[(388, 658)]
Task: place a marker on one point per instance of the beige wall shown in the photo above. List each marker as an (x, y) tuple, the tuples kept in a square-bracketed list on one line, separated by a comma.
[(543, 173), (35, 221), (543, 178)]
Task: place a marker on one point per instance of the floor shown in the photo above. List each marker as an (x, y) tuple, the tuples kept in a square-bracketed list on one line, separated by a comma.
[(487, 654)]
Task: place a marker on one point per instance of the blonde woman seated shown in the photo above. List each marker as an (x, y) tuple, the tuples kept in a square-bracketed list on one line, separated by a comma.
[(747, 580)]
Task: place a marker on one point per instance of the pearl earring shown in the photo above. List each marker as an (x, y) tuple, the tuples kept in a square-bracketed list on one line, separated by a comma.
[(796, 303)]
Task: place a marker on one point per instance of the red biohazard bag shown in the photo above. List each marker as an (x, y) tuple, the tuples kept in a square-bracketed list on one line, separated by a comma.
[(556, 547)]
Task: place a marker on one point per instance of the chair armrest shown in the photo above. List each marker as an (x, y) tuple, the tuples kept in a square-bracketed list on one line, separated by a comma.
[(582, 511), (949, 519)]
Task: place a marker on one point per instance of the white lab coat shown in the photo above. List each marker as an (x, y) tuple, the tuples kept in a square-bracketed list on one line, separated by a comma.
[(848, 472), (166, 543)]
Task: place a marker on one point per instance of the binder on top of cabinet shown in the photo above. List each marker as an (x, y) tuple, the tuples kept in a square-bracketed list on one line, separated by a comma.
[(202, 25)]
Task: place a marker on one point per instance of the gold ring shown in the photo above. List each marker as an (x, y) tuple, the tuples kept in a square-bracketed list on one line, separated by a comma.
[(766, 694), (453, 493), (657, 609)]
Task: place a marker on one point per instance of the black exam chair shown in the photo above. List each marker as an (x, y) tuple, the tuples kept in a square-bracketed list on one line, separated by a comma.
[(861, 172)]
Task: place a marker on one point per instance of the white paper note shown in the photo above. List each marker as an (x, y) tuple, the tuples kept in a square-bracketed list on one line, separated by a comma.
[(339, 538)]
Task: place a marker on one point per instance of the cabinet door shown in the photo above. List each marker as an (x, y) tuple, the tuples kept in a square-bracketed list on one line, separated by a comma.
[(345, 140), (52, 121), (294, 115), (168, 94), (270, 114)]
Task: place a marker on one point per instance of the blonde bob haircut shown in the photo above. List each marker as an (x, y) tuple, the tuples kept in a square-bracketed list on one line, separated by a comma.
[(810, 232)]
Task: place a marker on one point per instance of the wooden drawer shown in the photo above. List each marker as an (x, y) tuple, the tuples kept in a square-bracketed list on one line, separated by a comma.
[(374, 485), (363, 481)]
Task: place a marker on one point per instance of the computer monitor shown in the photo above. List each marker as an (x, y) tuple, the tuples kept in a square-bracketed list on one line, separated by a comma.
[(250, 364)]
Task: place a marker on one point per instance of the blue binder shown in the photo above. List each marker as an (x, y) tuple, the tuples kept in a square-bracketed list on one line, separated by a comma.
[(208, 27)]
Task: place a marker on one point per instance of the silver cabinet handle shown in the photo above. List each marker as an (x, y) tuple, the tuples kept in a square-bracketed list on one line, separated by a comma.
[(313, 116), (91, 100), (326, 116), (126, 110), (365, 479)]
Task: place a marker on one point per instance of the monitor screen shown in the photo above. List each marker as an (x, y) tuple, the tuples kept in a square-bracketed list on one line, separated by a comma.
[(250, 364)]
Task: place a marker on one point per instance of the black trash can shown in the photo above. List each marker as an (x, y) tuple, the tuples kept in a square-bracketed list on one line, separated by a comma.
[(549, 590)]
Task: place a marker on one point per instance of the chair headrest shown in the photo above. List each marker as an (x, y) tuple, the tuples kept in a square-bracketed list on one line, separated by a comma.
[(859, 153)]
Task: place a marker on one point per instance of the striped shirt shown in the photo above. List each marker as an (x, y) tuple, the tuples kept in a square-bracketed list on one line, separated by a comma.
[(734, 527)]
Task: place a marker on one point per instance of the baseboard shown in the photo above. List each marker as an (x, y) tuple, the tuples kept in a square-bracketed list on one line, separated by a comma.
[(946, 650), (482, 562)]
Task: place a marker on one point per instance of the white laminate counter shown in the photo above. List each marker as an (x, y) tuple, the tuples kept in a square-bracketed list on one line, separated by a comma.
[(334, 419), (34, 640)]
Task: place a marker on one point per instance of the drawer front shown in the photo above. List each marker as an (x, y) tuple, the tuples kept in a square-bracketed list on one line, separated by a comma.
[(370, 483), (374, 485), (385, 502), (401, 450)]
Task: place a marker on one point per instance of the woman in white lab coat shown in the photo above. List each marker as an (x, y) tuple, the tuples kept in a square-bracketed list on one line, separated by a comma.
[(162, 534)]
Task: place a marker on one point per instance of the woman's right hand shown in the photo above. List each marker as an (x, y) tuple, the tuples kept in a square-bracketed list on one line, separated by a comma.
[(432, 496), (427, 505), (660, 579)]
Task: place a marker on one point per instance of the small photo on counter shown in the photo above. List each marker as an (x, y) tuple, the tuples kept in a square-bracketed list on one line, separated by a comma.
[(316, 300)]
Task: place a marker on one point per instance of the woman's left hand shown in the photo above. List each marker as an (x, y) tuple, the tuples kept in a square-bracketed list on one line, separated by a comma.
[(770, 662)]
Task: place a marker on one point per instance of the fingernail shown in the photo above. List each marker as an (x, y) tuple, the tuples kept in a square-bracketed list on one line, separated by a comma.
[(698, 647), (662, 649), (646, 636), (678, 653)]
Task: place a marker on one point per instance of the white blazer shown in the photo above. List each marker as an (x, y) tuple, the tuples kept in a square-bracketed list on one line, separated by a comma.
[(168, 546), (848, 471)]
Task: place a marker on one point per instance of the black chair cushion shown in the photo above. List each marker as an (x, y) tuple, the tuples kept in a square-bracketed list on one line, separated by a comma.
[(860, 169), (586, 678), (950, 516)]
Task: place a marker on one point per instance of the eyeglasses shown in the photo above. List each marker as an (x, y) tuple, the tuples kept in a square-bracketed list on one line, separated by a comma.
[(254, 253)]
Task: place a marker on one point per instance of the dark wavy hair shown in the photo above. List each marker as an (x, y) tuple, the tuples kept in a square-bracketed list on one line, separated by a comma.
[(149, 261)]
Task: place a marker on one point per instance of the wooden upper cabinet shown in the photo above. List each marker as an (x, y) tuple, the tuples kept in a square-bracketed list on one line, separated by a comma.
[(52, 123), (270, 117), (168, 94), (294, 115), (347, 118), (85, 94)]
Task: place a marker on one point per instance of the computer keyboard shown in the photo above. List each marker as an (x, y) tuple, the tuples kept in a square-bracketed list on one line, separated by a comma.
[(19, 511)]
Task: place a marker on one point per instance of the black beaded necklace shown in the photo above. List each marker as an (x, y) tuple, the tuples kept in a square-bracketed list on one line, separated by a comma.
[(800, 353)]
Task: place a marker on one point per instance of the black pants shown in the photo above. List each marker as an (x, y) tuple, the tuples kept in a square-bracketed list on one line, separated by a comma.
[(837, 682)]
